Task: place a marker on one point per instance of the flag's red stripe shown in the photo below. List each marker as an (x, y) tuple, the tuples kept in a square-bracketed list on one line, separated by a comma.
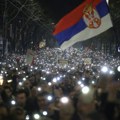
[(73, 17)]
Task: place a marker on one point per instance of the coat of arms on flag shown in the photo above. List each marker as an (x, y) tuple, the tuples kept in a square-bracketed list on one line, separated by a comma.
[(91, 17)]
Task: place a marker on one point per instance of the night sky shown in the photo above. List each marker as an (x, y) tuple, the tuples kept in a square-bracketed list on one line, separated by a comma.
[(56, 9)]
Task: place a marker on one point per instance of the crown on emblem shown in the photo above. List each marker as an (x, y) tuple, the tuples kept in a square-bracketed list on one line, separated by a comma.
[(88, 8)]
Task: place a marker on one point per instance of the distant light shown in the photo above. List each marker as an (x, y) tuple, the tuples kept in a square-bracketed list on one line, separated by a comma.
[(82, 85), (13, 102), (27, 117), (74, 77), (49, 98), (31, 66), (24, 79), (20, 83), (19, 73), (16, 68), (44, 78), (118, 68), (45, 113), (36, 68), (73, 68), (79, 82), (36, 116), (39, 88), (85, 90), (104, 69), (9, 65), (83, 79), (54, 80), (93, 82), (107, 1), (111, 72), (68, 71), (58, 78), (49, 83), (48, 72), (64, 100), (9, 81)]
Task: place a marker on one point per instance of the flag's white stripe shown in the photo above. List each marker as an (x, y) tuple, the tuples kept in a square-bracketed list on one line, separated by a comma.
[(88, 33)]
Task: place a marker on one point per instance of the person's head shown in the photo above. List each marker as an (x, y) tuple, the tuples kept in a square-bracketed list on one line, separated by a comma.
[(86, 104), (42, 101), (8, 91), (17, 113), (87, 73), (21, 97), (27, 84), (34, 91), (66, 110)]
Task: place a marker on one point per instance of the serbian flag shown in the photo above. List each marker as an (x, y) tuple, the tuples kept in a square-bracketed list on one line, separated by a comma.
[(88, 20)]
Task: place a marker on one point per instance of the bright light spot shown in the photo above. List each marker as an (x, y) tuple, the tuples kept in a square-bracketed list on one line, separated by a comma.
[(9, 65), (36, 116), (16, 68), (44, 78), (36, 68), (19, 73), (111, 72), (79, 83), (107, 1), (93, 82), (45, 113), (104, 69), (85, 90), (47, 72), (118, 68), (20, 83), (58, 78), (49, 98), (68, 71), (82, 85), (27, 117), (24, 79), (13, 102), (83, 79), (64, 100), (61, 76), (31, 67), (9, 81), (72, 68), (39, 88), (73, 77), (98, 76), (49, 83), (54, 80)]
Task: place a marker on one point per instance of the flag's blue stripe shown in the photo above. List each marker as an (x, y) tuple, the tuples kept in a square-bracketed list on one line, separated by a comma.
[(65, 35), (102, 8)]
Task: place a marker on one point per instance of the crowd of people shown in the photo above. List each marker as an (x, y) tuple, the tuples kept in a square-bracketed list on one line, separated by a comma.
[(49, 90)]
